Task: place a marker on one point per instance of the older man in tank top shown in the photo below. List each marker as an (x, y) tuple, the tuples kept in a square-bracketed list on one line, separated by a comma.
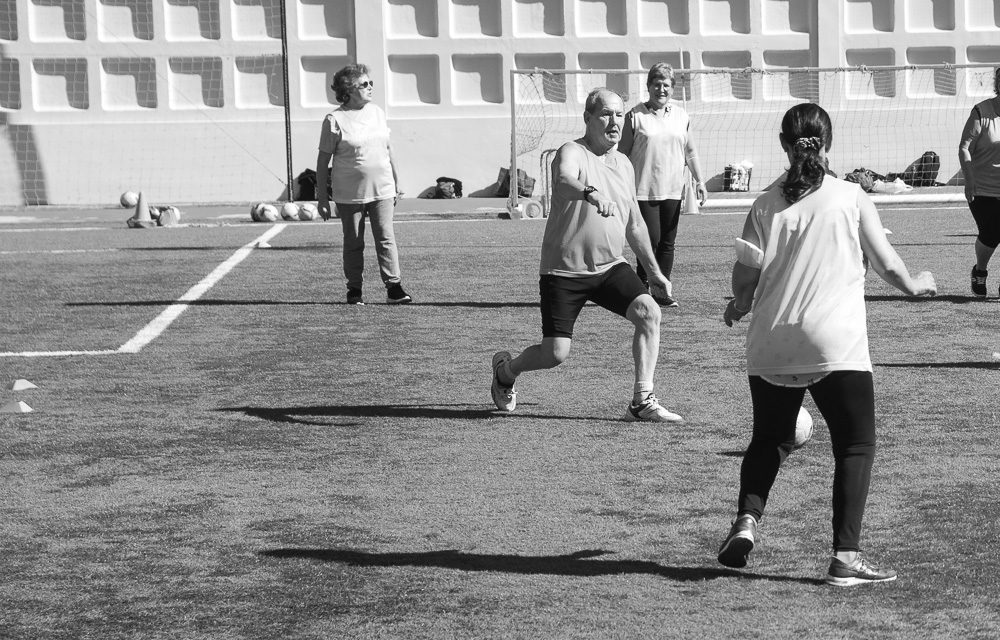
[(593, 214)]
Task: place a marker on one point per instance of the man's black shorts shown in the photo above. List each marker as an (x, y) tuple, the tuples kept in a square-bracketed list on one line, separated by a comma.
[(563, 298)]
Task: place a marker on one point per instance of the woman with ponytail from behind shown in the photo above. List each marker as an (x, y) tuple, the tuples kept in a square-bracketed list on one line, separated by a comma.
[(800, 269)]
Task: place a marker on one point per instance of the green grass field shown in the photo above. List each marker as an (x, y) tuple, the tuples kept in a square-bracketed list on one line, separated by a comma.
[(277, 464)]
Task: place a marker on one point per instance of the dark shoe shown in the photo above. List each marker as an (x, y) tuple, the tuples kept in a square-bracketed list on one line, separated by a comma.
[(354, 296), (396, 295), (979, 282), (739, 543), (504, 397), (665, 301), (860, 571)]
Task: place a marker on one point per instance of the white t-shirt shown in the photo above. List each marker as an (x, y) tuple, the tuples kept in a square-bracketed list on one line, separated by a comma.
[(809, 306), (358, 139), (658, 151)]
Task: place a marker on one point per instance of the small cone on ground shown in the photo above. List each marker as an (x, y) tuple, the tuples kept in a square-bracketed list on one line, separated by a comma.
[(16, 407), (21, 385), (141, 219)]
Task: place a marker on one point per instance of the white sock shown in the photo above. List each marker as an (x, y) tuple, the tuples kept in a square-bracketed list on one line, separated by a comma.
[(641, 391)]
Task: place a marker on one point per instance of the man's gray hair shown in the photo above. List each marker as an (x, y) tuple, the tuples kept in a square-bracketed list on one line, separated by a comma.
[(593, 99)]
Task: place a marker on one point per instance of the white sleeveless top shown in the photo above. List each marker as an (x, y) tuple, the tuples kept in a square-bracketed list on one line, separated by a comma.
[(578, 241), (809, 306), (658, 152), (359, 142)]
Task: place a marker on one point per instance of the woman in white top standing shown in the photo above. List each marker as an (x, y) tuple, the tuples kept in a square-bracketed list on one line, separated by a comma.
[(800, 267), (657, 140), (356, 138), (979, 155)]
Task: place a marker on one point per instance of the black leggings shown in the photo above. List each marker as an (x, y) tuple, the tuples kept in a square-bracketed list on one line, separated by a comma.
[(847, 401), (661, 217), (986, 211)]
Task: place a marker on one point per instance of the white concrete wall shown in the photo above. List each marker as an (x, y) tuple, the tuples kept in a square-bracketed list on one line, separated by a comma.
[(184, 100)]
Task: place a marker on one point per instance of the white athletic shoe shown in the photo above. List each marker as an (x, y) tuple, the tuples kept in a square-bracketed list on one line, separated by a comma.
[(650, 410), (505, 398)]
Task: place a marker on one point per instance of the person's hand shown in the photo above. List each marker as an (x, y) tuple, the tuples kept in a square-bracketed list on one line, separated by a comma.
[(925, 285), (702, 193), (733, 313), (323, 207), (605, 206), (395, 199), (659, 286), (969, 188)]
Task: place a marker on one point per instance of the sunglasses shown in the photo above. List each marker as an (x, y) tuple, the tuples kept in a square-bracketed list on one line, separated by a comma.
[(366, 84)]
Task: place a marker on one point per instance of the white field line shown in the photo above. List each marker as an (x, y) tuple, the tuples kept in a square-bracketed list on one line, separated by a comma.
[(160, 323)]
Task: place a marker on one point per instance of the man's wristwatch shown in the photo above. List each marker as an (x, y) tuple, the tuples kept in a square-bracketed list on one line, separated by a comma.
[(586, 193)]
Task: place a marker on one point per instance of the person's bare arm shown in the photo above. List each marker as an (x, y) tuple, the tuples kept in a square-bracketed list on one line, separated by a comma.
[(884, 259), (566, 169), (322, 179), (745, 277), (970, 132)]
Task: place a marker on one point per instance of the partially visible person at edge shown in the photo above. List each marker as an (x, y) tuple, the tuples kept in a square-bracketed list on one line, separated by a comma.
[(365, 183), (979, 155), (800, 266), (657, 139), (593, 213)]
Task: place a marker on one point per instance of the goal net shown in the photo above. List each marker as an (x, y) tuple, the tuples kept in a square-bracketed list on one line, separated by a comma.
[(884, 118)]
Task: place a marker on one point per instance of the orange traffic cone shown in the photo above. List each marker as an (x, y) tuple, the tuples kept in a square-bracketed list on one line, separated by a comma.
[(141, 219)]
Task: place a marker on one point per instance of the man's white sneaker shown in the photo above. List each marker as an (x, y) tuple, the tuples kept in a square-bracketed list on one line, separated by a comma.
[(650, 410), (505, 398)]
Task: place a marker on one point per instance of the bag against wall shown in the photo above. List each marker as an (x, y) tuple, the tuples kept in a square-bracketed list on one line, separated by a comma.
[(923, 171), (525, 184), (447, 188), (306, 182)]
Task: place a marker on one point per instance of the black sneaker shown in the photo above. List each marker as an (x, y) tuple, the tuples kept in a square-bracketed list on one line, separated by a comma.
[(665, 301), (354, 296), (396, 295), (979, 282), (860, 571), (739, 543)]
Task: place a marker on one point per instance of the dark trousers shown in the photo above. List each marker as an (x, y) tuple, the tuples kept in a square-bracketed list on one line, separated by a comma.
[(661, 217), (847, 401)]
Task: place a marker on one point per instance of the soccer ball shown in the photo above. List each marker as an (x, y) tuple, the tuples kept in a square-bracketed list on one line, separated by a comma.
[(266, 212), (308, 211), (290, 211), (803, 428), (255, 210), (129, 199), (169, 216)]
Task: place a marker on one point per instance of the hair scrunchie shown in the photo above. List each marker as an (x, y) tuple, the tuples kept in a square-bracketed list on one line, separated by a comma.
[(808, 143)]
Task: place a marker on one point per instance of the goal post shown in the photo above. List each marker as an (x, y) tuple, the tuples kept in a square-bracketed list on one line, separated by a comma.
[(884, 118)]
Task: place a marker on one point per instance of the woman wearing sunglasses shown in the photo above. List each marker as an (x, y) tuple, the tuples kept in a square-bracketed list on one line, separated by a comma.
[(364, 183)]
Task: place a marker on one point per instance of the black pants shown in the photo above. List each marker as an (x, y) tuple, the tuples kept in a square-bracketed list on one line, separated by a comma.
[(847, 401), (661, 217)]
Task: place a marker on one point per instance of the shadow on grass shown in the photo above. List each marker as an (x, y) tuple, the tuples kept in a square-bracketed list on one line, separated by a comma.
[(573, 564), (251, 303), (297, 415), (923, 299), (941, 365)]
